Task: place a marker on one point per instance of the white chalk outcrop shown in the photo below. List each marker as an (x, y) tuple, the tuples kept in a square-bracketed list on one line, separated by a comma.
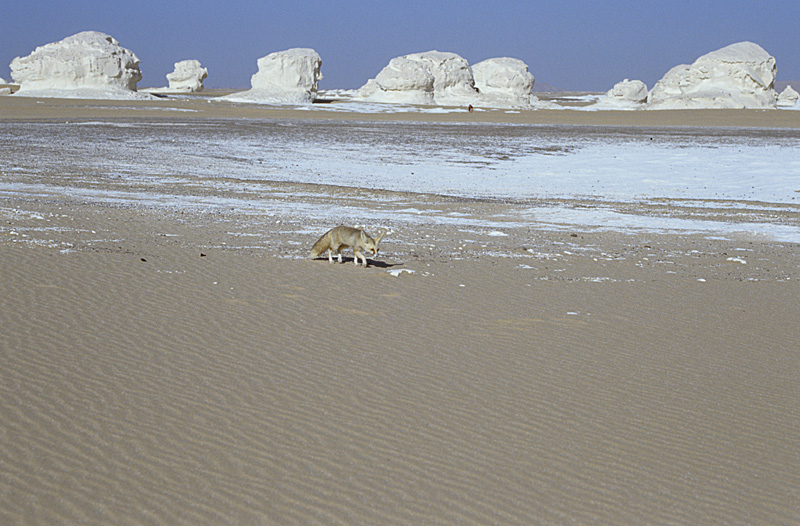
[(432, 77), (188, 75), (284, 77), (504, 82), (453, 83), (628, 94), (402, 81), (446, 79), (741, 75), (788, 97), (86, 65)]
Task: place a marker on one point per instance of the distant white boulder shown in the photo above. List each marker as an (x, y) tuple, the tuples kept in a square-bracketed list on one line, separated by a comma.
[(452, 77), (188, 75), (741, 75), (631, 90), (446, 79), (86, 65), (628, 94), (403, 81), (788, 97), (284, 77), (432, 77), (504, 82)]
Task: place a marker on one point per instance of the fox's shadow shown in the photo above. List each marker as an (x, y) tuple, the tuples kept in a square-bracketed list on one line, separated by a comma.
[(371, 262)]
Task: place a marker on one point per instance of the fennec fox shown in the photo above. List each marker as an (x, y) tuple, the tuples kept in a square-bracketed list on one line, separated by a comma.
[(341, 237)]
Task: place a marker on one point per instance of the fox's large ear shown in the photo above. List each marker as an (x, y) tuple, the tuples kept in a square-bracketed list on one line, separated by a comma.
[(363, 236), (379, 236)]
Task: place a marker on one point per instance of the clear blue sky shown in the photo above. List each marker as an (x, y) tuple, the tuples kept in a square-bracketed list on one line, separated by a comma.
[(572, 45)]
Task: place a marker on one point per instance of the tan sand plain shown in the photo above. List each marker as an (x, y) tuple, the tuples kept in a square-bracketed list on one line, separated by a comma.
[(203, 107), (191, 368)]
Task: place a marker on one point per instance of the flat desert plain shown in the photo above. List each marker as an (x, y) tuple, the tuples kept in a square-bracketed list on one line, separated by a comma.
[(170, 355)]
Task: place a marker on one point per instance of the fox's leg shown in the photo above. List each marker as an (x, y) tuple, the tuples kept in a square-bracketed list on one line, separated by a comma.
[(339, 254), (356, 255), (330, 258)]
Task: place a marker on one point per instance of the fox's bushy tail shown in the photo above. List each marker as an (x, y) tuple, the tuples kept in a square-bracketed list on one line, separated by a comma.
[(321, 245)]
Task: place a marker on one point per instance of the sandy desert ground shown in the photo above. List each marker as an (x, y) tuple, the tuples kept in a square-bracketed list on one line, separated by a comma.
[(189, 365)]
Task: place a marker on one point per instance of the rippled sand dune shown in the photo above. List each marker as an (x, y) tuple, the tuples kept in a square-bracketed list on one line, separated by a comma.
[(143, 382), (163, 365)]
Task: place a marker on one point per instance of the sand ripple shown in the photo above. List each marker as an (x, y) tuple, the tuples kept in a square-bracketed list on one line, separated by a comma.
[(247, 391)]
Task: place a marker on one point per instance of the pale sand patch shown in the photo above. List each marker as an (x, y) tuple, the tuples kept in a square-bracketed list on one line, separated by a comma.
[(163, 368), (190, 367), (200, 106)]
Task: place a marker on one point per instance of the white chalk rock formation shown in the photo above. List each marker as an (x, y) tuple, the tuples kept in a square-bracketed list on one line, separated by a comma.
[(788, 97), (446, 79), (741, 75), (284, 77), (453, 82), (629, 90), (628, 94), (503, 82), (188, 75), (86, 65), (432, 77), (2, 81), (402, 81)]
